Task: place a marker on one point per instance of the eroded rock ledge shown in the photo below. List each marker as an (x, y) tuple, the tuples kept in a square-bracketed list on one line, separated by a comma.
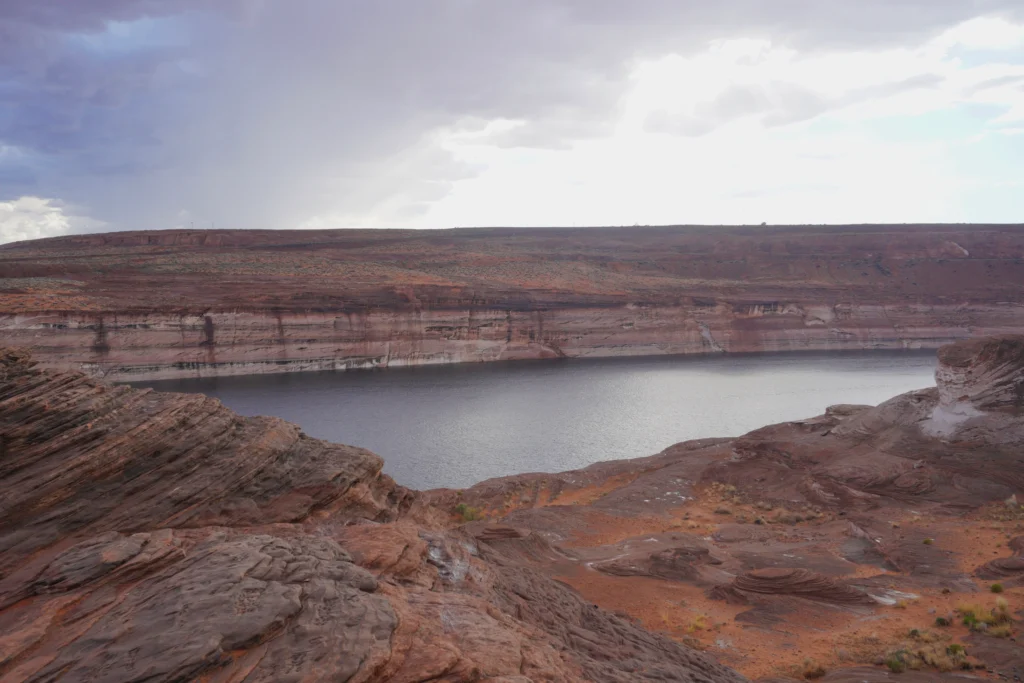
[(161, 537), (812, 546)]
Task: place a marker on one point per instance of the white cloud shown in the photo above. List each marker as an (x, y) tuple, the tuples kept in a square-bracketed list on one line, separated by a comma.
[(984, 33), (30, 218), (736, 174), (748, 131)]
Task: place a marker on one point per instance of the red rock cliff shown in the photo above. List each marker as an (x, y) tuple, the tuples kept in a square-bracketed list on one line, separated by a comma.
[(185, 303)]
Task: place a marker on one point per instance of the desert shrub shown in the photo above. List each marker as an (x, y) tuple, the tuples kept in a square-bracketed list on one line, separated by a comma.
[(699, 623), (977, 617), (997, 588), (896, 661), (929, 541), (942, 621), (467, 513), (939, 658), (1001, 631), (929, 654), (812, 670)]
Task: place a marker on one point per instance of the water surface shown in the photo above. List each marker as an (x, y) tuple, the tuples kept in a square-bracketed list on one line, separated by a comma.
[(456, 425)]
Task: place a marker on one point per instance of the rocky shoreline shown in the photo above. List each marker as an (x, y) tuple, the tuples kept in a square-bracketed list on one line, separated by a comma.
[(158, 537)]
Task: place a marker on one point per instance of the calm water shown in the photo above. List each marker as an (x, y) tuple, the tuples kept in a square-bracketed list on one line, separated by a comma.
[(457, 425)]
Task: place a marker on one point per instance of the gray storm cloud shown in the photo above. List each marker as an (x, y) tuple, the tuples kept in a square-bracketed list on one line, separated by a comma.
[(145, 114)]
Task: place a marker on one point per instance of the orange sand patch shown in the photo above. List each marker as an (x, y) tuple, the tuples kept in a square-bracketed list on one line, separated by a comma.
[(589, 494), (605, 529), (828, 636)]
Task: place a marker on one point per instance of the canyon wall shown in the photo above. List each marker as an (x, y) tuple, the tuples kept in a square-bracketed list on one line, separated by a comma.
[(147, 346), (156, 305)]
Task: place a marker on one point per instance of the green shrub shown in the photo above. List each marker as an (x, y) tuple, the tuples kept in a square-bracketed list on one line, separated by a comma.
[(896, 663), (978, 617), (467, 513), (997, 588)]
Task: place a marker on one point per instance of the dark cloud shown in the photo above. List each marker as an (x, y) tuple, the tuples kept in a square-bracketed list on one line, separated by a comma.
[(261, 113)]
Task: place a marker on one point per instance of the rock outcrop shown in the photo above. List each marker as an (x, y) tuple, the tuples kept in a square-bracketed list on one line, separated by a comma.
[(978, 381), (157, 537), (824, 541), (160, 537), (987, 374), (801, 583), (150, 305)]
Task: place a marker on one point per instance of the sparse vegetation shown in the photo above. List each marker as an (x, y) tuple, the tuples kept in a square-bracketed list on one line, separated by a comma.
[(929, 652), (1001, 631), (812, 670), (896, 662), (997, 588), (467, 513), (929, 541), (942, 621), (786, 517), (977, 617), (699, 623)]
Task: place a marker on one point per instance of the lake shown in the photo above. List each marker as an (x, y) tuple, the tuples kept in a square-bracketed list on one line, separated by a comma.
[(456, 425)]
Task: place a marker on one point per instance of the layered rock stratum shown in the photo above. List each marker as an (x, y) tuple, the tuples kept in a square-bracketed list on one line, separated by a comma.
[(161, 537), (147, 536), (151, 305), (816, 548)]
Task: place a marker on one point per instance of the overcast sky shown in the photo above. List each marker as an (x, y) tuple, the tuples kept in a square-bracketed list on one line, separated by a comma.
[(148, 114)]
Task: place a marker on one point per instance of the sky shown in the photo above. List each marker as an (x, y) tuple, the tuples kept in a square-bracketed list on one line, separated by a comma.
[(156, 114)]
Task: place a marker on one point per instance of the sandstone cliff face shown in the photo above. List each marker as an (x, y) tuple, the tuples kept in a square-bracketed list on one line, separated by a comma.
[(160, 537), (125, 346), (178, 304)]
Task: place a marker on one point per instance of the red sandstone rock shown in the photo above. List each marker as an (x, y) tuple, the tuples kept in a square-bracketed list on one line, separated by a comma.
[(800, 583), (160, 537), (862, 509), (986, 373), (149, 536)]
